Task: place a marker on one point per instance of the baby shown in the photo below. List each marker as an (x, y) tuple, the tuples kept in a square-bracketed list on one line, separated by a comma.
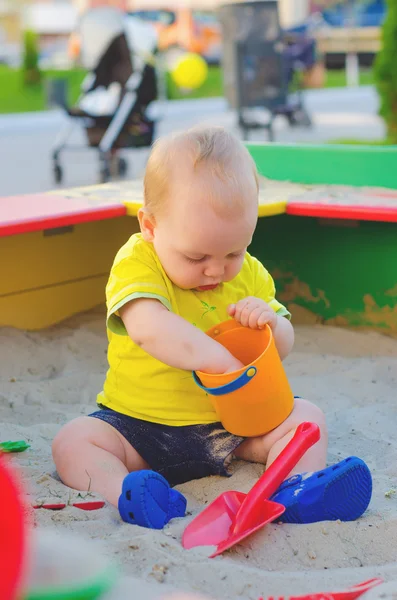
[(187, 270)]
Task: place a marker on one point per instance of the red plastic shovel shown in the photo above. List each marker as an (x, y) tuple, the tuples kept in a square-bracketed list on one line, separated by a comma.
[(234, 515), (94, 505), (350, 594)]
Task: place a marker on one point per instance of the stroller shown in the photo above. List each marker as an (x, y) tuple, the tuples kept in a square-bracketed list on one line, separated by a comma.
[(119, 52), (259, 67)]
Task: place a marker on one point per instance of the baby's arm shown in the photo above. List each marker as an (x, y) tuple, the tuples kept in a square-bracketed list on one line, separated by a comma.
[(173, 340), (283, 336)]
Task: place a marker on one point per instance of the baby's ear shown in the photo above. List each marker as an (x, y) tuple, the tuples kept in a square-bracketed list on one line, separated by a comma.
[(147, 224)]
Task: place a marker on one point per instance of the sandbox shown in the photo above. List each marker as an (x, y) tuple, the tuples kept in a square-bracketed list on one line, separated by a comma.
[(333, 254)]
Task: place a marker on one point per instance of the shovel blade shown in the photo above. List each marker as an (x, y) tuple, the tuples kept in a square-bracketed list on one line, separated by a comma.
[(213, 524), (267, 512)]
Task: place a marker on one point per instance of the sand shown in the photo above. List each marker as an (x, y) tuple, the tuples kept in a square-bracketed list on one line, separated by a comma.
[(49, 377)]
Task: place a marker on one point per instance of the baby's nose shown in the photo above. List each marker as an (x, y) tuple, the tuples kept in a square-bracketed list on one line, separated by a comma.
[(214, 270)]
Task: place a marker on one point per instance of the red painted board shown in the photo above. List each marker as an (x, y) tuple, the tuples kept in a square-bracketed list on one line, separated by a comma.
[(360, 213), (23, 214), (363, 204)]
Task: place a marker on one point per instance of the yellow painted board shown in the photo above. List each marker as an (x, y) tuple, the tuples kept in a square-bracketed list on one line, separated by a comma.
[(46, 279), (271, 209), (42, 307), (268, 209), (38, 259), (51, 275), (268, 206), (272, 195)]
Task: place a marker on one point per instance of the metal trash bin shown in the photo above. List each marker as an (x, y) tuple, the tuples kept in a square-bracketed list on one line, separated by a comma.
[(255, 68)]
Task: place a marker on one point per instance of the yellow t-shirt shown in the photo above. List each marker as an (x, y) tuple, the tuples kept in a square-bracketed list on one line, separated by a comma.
[(138, 384)]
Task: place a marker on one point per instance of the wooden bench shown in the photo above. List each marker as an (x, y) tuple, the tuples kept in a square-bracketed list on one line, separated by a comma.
[(350, 41)]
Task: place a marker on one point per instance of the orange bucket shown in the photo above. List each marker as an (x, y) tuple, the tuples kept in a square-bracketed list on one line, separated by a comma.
[(254, 400)]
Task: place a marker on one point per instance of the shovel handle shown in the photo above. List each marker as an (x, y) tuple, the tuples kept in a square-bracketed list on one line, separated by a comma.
[(306, 435)]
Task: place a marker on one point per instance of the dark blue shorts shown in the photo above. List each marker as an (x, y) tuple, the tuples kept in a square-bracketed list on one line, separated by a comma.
[(180, 454)]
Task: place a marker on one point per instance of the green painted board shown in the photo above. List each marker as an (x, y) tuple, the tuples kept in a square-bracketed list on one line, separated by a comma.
[(328, 273), (331, 271), (332, 164)]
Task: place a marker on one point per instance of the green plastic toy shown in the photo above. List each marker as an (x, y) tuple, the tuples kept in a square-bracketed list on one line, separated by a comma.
[(19, 446)]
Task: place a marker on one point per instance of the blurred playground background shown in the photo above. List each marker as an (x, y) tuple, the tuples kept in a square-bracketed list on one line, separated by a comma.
[(40, 32), (342, 57), (310, 74)]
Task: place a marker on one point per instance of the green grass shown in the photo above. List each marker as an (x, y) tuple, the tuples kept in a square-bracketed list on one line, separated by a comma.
[(338, 78), (212, 87), (15, 97)]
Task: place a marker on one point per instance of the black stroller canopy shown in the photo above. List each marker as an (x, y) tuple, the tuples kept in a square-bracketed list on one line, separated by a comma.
[(118, 51)]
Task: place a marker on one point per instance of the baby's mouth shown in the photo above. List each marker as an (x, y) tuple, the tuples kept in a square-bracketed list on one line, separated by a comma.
[(207, 288)]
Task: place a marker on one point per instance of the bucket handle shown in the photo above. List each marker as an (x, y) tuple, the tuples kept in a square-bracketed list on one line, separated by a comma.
[(232, 386)]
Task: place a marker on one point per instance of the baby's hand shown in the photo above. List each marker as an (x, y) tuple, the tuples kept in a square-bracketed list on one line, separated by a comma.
[(235, 365), (253, 312), (228, 366)]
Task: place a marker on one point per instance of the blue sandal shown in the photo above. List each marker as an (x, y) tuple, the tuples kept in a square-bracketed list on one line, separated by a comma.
[(147, 500), (342, 491)]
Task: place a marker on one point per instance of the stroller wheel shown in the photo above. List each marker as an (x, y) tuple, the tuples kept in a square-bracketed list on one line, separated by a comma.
[(300, 118), (58, 173), (105, 175), (306, 119), (122, 167)]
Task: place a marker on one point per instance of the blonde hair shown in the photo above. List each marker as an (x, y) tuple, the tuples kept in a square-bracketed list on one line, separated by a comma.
[(226, 169)]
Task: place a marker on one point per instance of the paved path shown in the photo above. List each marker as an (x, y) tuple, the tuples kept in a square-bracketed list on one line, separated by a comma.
[(26, 140)]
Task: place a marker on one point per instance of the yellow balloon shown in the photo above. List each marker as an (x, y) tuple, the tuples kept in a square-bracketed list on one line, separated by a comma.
[(190, 71)]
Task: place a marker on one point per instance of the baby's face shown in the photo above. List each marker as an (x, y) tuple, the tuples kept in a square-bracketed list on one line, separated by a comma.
[(200, 249)]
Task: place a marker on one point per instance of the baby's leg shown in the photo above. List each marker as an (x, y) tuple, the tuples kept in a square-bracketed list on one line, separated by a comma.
[(341, 491), (90, 454), (266, 448)]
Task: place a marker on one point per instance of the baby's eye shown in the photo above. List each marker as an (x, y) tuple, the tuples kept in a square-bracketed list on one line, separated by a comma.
[(195, 260), (236, 255)]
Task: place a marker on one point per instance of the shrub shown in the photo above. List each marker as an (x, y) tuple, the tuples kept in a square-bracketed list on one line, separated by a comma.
[(31, 71), (386, 71)]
